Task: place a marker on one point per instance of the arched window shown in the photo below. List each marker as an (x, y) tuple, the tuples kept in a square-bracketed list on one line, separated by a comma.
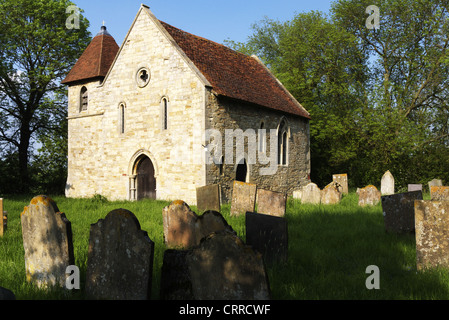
[(84, 99), (164, 113), (283, 143), (121, 115)]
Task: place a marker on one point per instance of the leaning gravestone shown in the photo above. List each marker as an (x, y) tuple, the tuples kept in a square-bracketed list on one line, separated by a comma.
[(47, 241), (399, 211), (431, 225), (308, 194), (387, 184), (368, 196), (120, 259), (221, 267), (330, 194), (271, 202), (243, 198), (342, 180), (208, 198), (268, 235), (184, 229), (439, 193)]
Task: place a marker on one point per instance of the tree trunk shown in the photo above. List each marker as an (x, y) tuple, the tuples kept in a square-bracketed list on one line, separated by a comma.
[(25, 135)]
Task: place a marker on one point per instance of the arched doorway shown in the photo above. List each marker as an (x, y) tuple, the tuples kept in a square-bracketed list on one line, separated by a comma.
[(146, 181), (242, 171)]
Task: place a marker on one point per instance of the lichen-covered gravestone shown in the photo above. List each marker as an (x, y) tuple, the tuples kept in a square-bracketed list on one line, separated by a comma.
[(387, 184), (47, 241), (342, 180), (368, 196), (330, 194), (431, 232), (308, 194), (399, 211), (271, 202), (221, 267), (183, 228), (439, 193), (120, 259), (243, 198)]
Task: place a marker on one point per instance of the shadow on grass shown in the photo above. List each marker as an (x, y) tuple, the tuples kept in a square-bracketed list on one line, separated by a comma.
[(330, 248)]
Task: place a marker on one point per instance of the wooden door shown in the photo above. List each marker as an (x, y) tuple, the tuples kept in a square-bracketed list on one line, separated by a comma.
[(146, 182)]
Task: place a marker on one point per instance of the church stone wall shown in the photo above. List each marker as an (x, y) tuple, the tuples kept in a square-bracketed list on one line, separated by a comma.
[(101, 158)]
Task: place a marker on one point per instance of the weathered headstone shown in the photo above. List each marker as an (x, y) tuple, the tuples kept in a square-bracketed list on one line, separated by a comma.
[(435, 182), (387, 184), (120, 259), (271, 202), (47, 241), (243, 198), (221, 267), (308, 194), (439, 193), (431, 226), (330, 194), (368, 196), (208, 198), (183, 228), (6, 294), (414, 187), (342, 180), (399, 211), (268, 235)]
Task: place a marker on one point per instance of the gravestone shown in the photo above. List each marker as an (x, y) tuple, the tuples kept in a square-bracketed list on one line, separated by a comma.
[(268, 235), (308, 194), (184, 228), (221, 267), (368, 196), (271, 202), (208, 198), (399, 211), (120, 259), (6, 294), (435, 182), (342, 180), (47, 241), (439, 193), (387, 184), (330, 194), (414, 187), (243, 198), (431, 227)]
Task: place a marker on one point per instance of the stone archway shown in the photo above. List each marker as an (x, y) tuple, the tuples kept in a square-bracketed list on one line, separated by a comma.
[(145, 179)]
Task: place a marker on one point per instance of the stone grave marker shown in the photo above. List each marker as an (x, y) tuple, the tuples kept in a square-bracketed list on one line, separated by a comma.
[(310, 193), (208, 198), (120, 259), (271, 202), (330, 194), (431, 233), (47, 241), (387, 184), (268, 235), (399, 211), (342, 180), (439, 193), (221, 267), (183, 228), (243, 198), (435, 182), (414, 187), (6, 294), (368, 196)]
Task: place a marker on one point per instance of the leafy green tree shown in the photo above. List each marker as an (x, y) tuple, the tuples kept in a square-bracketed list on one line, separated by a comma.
[(37, 50)]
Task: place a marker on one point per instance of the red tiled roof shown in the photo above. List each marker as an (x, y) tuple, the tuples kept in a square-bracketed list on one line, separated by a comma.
[(95, 60), (235, 75)]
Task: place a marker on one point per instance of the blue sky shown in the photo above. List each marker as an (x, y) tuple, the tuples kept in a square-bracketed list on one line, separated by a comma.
[(214, 20)]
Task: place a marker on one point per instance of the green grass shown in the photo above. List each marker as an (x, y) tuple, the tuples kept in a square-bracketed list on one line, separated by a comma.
[(330, 247)]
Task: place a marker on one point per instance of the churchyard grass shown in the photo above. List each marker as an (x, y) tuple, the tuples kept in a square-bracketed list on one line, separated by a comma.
[(330, 247)]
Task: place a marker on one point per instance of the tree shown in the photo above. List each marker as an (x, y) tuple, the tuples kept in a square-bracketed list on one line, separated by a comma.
[(37, 50)]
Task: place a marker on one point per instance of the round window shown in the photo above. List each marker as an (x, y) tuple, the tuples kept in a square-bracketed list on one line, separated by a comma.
[(142, 77)]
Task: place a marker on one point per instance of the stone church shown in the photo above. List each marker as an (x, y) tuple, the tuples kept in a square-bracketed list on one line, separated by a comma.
[(146, 118)]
